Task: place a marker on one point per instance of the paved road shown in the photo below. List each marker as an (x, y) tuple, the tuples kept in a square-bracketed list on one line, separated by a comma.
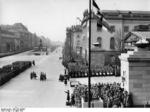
[(23, 92)]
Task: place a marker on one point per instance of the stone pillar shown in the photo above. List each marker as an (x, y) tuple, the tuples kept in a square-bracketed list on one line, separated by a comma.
[(139, 77), (135, 69), (125, 70)]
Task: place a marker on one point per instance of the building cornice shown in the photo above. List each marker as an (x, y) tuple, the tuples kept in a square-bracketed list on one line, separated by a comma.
[(130, 19), (122, 15)]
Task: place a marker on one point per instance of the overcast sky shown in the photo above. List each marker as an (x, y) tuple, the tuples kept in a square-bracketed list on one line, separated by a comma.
[(51, 17)]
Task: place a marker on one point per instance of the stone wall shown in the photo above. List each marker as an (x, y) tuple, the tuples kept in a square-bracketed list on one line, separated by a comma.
[(102, 58), (139, 77)]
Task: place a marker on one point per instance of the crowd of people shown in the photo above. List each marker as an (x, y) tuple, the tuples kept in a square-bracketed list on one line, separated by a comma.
[(112, 95)]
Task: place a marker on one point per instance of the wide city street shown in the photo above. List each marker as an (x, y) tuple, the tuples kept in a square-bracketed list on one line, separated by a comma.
[(21, 91)]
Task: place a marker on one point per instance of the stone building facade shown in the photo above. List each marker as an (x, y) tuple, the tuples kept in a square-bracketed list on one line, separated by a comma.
[(16, 37), (135, 67), (120, 22), (8, 41)]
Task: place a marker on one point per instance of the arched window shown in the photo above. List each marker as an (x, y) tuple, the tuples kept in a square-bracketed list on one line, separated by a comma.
[(112, 43), (99, 40)]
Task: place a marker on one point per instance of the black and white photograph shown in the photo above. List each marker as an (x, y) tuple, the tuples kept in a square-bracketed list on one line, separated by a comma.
[(74, 54)]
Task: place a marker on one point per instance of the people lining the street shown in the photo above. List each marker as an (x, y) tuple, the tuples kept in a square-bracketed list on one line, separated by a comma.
[(95, 72), (112, 95), (80, 74)]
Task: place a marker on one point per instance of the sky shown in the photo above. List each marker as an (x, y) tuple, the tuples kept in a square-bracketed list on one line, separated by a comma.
[(51, 17)]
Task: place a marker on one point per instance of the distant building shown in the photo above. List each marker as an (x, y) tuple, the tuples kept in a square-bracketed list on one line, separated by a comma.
[(16, 37), (8, 41)]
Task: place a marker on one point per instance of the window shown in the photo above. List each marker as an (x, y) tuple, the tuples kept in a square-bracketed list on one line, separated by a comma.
[(112, 43), (112, 28), (78, 43), (99, 40), (126, 28), (78, 36)]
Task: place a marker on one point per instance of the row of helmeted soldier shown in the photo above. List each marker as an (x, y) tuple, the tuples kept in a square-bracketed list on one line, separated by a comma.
[(112, 95), (78, 74), (42, 76)]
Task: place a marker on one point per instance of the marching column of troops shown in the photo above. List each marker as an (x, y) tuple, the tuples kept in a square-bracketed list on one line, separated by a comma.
[(10, 71)]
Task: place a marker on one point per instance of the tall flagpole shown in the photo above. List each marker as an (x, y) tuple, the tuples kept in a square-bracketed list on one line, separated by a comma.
[(89, 67)]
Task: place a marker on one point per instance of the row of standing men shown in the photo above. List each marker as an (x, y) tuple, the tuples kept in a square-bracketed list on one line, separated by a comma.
[(79, 74)]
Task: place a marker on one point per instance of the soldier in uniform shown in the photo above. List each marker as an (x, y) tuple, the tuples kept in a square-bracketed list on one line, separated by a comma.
[(68, 97), (42, 76), (72, 100), (65, 80)]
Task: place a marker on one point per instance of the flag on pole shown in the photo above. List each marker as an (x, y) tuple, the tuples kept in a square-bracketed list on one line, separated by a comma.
[(104, 22), (95, 5), (106, 25), (101, 19), (99, 15)]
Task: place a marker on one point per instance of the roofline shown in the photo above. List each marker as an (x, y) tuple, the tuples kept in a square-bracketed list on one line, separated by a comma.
[(117, 12), (129, 34), (137, 19), (126, 11)]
